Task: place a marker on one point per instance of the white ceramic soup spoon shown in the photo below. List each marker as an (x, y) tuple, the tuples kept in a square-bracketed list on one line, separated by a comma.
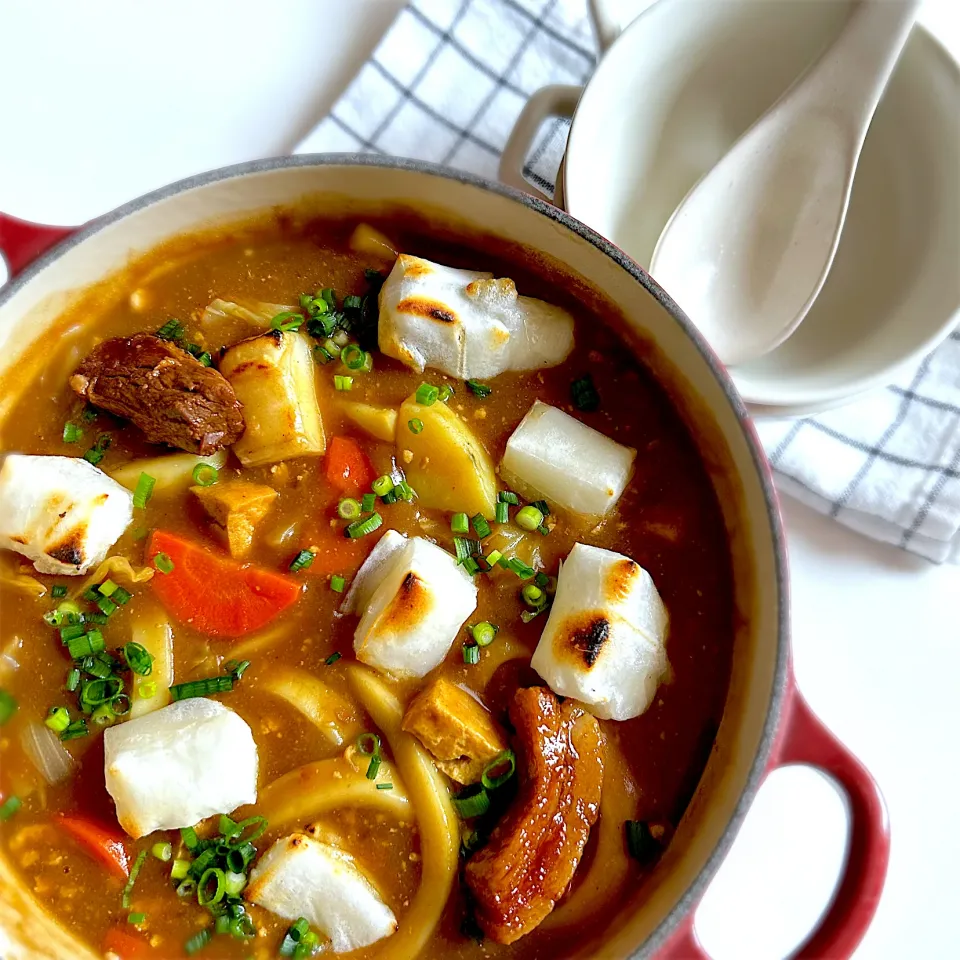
[(749, 248)]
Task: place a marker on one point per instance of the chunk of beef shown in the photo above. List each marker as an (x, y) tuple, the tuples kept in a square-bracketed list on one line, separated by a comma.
[(170, 396), (534, 851)]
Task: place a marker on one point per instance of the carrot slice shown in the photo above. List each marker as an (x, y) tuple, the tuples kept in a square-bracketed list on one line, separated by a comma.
[(127, 946), (347, 466), (100, 842), (214, 594)]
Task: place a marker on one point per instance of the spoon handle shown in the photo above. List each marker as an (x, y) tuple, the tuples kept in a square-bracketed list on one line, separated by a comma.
[(852, 75)]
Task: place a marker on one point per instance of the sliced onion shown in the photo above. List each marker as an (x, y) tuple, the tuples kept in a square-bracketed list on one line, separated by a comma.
[(46, 751)]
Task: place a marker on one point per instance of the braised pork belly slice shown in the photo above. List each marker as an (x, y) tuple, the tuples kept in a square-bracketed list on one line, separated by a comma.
[(526, 867)]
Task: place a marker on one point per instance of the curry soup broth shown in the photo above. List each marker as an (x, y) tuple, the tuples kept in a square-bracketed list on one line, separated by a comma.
[(668, 521)]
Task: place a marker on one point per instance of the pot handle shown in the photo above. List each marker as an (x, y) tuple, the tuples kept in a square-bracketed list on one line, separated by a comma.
[(606, 23), (557, 100), (805, 740), (21, 242)]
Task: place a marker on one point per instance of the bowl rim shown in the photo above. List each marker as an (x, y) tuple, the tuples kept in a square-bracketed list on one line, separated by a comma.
[(779, 693)]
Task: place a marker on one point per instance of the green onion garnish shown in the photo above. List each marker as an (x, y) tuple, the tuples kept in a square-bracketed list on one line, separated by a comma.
[(367, 502), (108, 588), (86, 645), (205, 474), (107, 607), (465, 548), (162, 851), (471, 653), (360, 528), (348, 509), (528, 517), (499, 770), (207, 894), (541, 579), (198, 941), (342, 383), (352, 357), (480, 526), (508, 496), (163, 563), (446, 392), (493, 558), (180, 867), (57, 591), (640, 842), (73, 680), (71, 632), (384, 786), (287, 322), (471, 802), (132, 879), (171, 330), (72, 433), (502, 512), (427, 395), (333, 658), (352, 302), (478, 389), (9, 807), (415, 425), (8, 706), (460, 523), (302, 561), (382, 485), (368, 744), (201, 688), (584, 394), (484, 633), (520, 568), (541, 505), (121, 596), (543, 530), (472, 565), (189, 837), (404, 491), (337, 583), (533, 596), (390, 496), (142, 494), (97, 452), (136, 918), (58, 719), (138, 658)]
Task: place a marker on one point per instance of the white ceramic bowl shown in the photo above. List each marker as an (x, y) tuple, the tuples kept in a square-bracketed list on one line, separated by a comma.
[(672, 95)]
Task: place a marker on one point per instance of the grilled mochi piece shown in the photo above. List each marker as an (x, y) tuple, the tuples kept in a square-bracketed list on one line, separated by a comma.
[(302, 877), (456, 728), (236, 507), (467, 324), (176, 766), (555, 456), (62, 513), (413, 600), (604, 642)]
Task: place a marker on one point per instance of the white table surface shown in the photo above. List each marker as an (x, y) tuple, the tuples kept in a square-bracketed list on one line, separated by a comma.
[(104, 100)]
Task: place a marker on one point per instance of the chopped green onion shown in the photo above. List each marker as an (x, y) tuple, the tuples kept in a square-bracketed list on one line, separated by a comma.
[(162, 851), (541, 579), (205, 474), (9, 807), (507, 496), (505, 763), (415, 425), (481, 526), (404, 491), (58, 590), (348, 509), (351, 302), (138, 658), (352, 357), (163, 563), (528, 517), (171, 330), (502, 512), (8, 706), (136, 918), (390, 496), (302, 560), (328, 295), (446, 392), (384, 786), (373, 768), (240, 856), (143, 492), (121, 596), (533, 596), (201, 688), (97, 452), (471, 802), (246, 831), (73, 680), (584, 394), (107, 606), (197, 942), (120, 706), (71, 632), (360, 528), (367, 502), (471, 653), (541, 505), (331, 348), (333, 658), (484, 633), (287, 322), (180, 868), (460, 523), (58, 719), (233, 883), (465, 547), (88, 415), (95, 692), (543, 530), (382, 485), (76, 730), (368, 744), (342, 383), (479, 390), (206, 895), (108, 588), (86, 645), (427, 395), (72, 433), (493, 557), (640, 842), (186, 887), (132, 879), (520, 568), (337, 583), (471, 565), (190, 839)]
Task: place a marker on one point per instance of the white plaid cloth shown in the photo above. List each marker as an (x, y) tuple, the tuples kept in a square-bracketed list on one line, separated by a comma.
[(446, 84)]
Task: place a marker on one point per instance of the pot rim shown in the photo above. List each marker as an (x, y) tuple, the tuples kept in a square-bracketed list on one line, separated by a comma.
[(694, 892)]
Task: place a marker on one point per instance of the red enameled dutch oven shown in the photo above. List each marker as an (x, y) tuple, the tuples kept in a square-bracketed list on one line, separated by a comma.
[(766, 723)]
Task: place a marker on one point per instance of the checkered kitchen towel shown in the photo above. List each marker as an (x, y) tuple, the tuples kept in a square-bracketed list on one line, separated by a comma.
[(446, 84)]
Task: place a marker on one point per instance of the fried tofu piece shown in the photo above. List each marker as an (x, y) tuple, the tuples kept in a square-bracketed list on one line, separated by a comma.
[(236, 508), (457, 730)]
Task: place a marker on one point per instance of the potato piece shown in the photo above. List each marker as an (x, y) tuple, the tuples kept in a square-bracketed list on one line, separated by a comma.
[(450, 469), (379, 422), (153, 632), (369, 240), (273, 378), (172, 472), (236, 508), (457, 729)]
